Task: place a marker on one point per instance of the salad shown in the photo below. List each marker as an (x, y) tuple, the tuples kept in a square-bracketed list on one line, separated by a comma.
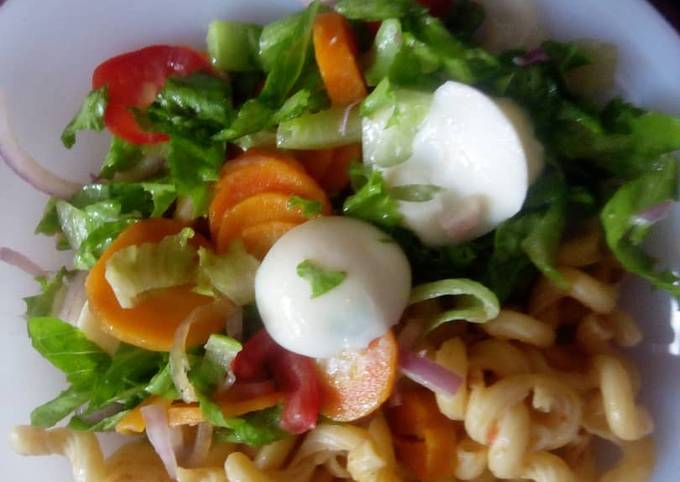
[(363, 242)]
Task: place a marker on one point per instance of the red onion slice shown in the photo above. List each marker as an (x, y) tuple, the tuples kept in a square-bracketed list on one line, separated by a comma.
[(74, 299), (166, 441), (653, 214), (21, 261), (429, 374), (27, 168), (345, 117), (202, 443), (535, 56)]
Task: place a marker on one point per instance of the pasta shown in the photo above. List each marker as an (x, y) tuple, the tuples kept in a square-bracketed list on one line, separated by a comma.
[(530, 405)]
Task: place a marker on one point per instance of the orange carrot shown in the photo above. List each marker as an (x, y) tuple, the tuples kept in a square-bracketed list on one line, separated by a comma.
[(336, 177), (152, 322), (259, 239), (424, 439), (190, 414), (261, 208), (354, 384), (257, 175), (334, 49)]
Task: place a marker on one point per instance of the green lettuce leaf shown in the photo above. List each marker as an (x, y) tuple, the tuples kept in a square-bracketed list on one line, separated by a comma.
[(90, 116), (309, 207), (231, 274), (122, 156), (233, 46), (68, 350), (256, 429), (625, 231), (196, 107), (193, 167), (374, 10), (372, 201), (54, 411), (52, 290), (135, 270)]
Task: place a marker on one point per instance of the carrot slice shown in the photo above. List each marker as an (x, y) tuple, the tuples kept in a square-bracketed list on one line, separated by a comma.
[(191, 414), (257, 209), (255, 155), (133, 421), (336, 177), (259, 175), (316, 162), (355, 383), (150, 324), (424, 439), (260, 238), (334, 49)]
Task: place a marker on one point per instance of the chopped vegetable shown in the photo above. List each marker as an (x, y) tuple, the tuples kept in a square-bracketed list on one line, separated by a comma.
[(233, 46), (132, 80), (355, 383), (152, 323), (474, 302), (90, 116), (320, 279), (232, 274), (335, 52), (322, 130), (135, 270)]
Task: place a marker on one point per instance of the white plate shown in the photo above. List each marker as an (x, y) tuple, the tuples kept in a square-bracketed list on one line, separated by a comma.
[(48, 49)]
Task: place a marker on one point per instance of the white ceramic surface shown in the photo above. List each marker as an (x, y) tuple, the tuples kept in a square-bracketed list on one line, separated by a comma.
[(48, 49)]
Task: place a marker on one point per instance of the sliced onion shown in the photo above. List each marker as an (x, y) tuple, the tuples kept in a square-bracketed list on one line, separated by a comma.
[(27, 168), (74, 298), (654, 214), (535, 56), (235, 325), (166, 441), (429, 374), (461, 223), (105, 412), (21, 261), (179, 362), (345, 117), (202, 443), (184, 211)]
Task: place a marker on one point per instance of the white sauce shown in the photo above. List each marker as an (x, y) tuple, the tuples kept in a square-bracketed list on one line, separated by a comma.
[(363, 307), (481, 151)]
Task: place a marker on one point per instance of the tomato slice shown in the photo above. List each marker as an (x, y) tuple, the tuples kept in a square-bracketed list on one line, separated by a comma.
[(295, 376), (133, 80)]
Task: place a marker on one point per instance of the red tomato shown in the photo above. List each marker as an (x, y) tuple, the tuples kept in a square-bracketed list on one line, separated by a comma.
[(296, 377), (438, 8), (294, 374), (133, 80)]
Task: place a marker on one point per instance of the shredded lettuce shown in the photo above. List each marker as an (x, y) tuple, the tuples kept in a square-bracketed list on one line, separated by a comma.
[(135, 270), (90, 116), (47, 302), (372, 201), (321, 130), (388, 129), (232, 274), (321, 280), (309, 207), (121, 157), (474, 302), (375, 10), (255, 429)]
